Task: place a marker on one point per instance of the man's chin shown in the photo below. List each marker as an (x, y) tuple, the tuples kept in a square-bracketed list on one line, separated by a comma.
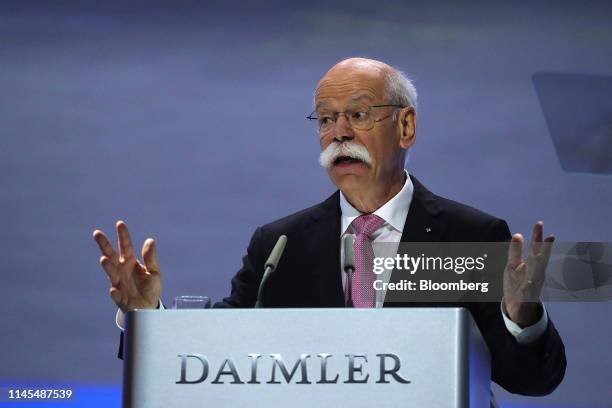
[(348, 174)]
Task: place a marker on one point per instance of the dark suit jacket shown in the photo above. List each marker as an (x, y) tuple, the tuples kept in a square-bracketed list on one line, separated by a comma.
[(308, 275)]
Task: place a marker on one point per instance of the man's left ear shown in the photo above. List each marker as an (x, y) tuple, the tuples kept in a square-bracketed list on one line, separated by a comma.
[(406, 123)]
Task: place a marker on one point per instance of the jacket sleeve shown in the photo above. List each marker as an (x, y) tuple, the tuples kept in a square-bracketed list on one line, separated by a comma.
[(530, 369)]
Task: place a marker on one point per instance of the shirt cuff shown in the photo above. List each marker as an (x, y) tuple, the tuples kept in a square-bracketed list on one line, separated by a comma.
[(120, 316), (120, 319), (527, 334)]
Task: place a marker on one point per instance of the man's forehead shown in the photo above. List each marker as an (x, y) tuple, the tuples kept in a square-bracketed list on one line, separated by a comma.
[(354, 99), (350, 85)]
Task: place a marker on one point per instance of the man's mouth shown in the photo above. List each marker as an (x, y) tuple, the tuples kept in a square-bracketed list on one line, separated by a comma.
[(346, 160)]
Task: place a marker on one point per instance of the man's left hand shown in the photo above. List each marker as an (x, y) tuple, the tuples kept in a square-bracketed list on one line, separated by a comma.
[(523, 279)]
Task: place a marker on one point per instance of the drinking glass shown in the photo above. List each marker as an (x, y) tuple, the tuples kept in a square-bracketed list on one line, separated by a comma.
[(191, 302)]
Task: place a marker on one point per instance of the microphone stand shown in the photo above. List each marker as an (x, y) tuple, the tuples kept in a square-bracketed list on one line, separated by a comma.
[(262, 285), (349, 285), (348, 244), (269, 267)]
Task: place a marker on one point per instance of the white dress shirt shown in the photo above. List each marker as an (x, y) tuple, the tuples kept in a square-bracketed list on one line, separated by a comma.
[(394, 212)]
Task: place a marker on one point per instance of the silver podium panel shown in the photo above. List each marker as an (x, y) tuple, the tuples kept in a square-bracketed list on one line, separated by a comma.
[(402, 357)]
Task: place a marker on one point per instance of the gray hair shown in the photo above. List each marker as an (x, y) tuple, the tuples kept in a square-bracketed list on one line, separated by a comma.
[(400, 90)]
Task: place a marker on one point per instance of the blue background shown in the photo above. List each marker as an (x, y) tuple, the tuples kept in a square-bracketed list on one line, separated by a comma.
[(186, 120)]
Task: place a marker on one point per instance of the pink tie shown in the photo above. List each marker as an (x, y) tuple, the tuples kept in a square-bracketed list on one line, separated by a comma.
[(363, 292)]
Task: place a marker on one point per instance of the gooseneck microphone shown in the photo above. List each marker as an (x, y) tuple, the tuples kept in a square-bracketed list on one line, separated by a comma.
[(270, 266), (348, 243)]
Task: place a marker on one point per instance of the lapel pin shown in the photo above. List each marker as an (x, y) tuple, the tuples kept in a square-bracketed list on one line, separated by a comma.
[(427, 229)]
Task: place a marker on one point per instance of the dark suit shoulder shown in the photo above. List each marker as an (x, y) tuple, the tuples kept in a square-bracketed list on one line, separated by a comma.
[(466, 223), (453, 211), (464, 213), (298, 220)]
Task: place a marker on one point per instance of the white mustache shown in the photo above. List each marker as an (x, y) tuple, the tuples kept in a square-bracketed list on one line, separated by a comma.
[(339, 149)]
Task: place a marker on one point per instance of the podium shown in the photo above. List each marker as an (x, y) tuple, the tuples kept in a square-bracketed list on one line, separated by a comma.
[(390, 357)]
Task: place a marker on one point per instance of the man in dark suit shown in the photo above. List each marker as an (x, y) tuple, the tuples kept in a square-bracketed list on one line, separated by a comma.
[(366, 116)]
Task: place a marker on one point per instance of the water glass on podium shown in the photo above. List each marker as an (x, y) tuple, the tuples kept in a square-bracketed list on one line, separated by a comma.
[(191, 302)]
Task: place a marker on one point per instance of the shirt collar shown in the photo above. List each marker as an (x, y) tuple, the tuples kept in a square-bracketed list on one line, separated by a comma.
[(394, 211)]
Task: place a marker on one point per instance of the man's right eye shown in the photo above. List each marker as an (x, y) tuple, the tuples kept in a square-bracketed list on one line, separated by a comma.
[(325, 120)]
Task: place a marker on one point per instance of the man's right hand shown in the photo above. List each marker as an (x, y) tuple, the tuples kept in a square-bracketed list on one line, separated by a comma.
[(133, 285)]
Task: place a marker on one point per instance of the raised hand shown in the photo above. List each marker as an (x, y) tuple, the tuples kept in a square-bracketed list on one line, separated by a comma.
[(134, 285), (523, 278)]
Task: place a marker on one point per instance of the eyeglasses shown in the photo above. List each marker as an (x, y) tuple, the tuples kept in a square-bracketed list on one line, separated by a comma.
[(360, 119)]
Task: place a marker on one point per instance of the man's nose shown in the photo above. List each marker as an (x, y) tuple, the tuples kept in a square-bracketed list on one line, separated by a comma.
[(343, 130)]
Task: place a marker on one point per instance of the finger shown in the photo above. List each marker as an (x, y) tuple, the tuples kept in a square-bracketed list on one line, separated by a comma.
[(546, 249), (515, 251), (105, 246), (149, 255), (538, 229), (536, 238), (110, 269), (126, 249), (537, 274)]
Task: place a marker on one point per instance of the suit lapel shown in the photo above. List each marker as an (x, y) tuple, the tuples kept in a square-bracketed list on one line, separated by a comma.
[(423, 223)]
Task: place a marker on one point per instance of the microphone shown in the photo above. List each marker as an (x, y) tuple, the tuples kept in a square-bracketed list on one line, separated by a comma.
[(348, 243), (270, 266)]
